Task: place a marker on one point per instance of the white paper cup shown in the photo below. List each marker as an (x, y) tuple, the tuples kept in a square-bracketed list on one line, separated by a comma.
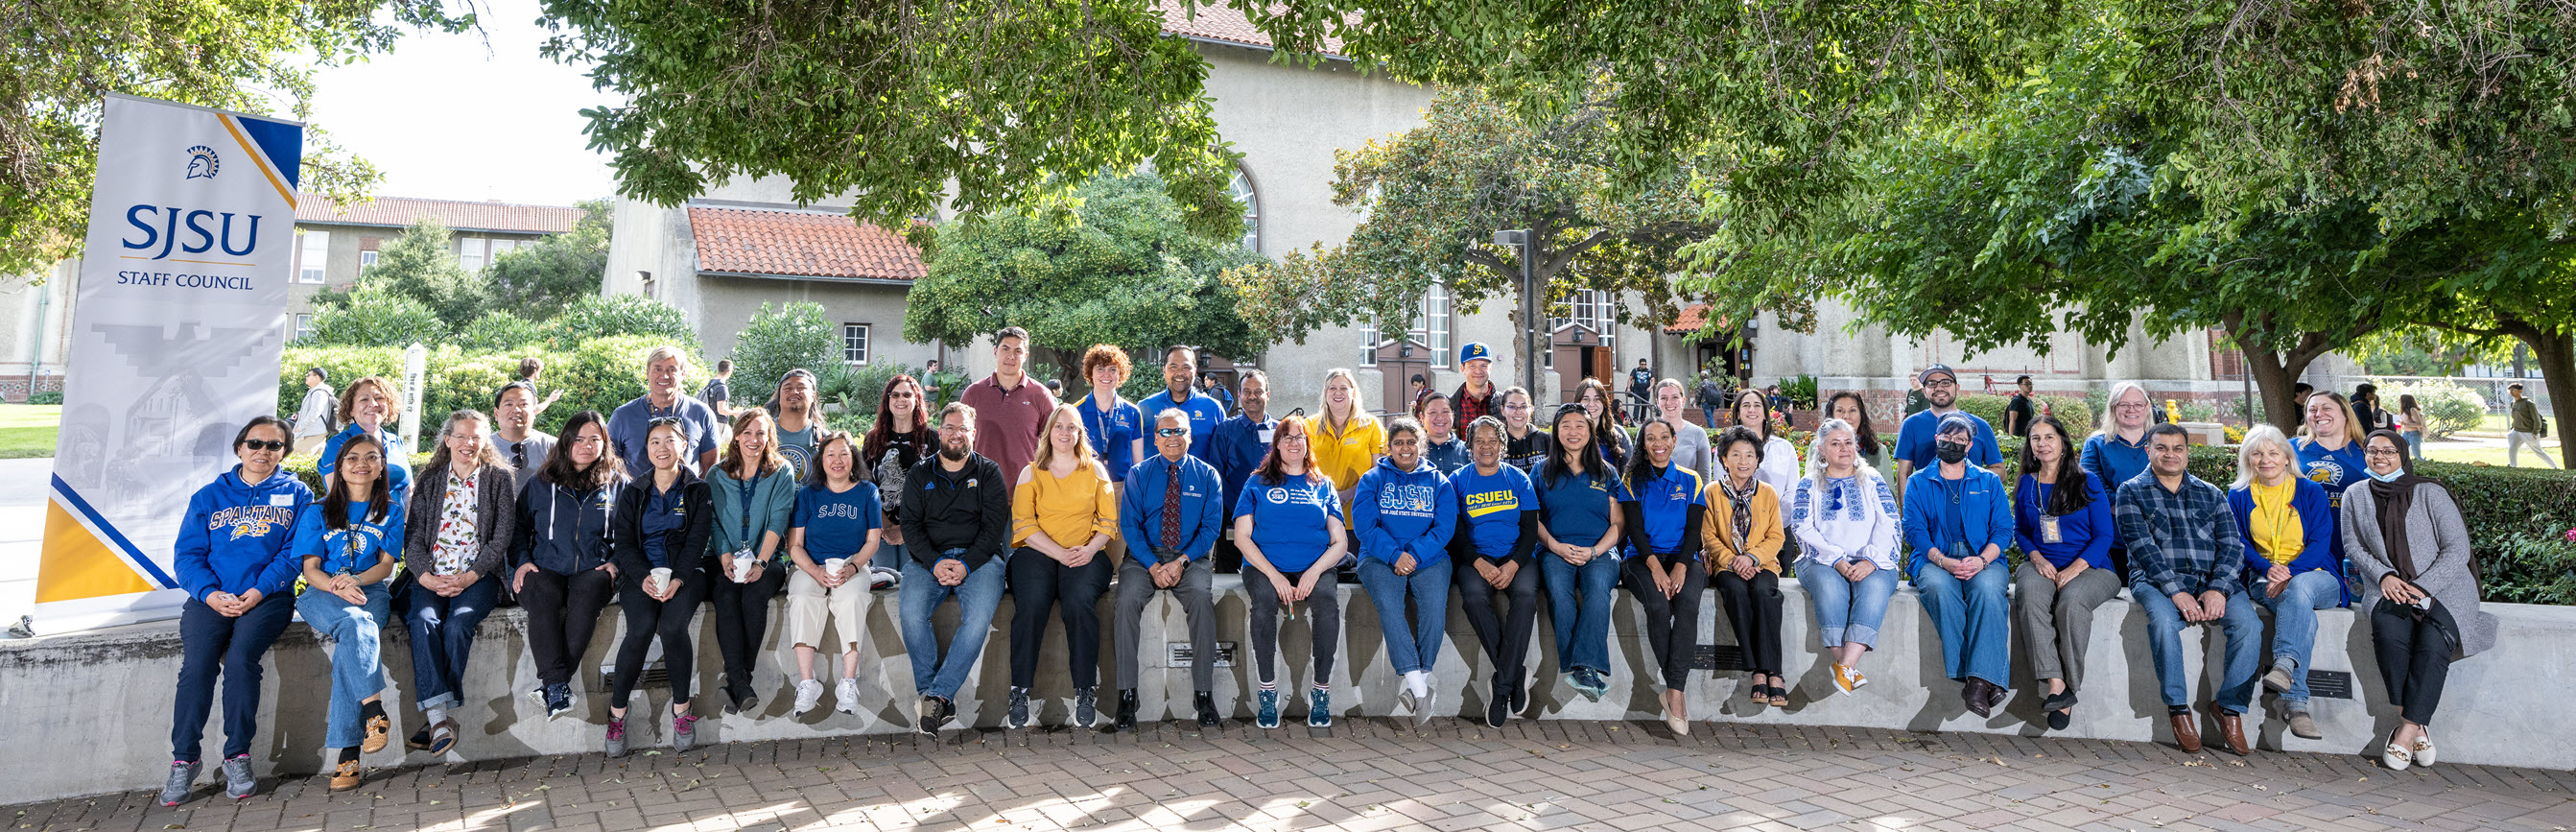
[(741, 569), (832, 566), (661, 578)]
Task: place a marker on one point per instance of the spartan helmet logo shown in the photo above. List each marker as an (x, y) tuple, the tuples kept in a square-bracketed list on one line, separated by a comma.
[(202, 163)]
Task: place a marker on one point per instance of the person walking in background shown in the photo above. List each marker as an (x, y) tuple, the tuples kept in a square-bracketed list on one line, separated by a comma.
[(1914, 442), (2290, 559), (565, 572), (1113, 426), (957, 515), (1064, 513), (349, 547), (1844, 516), (1180, 368), (2187, 561), (1849, 407), (1170, 512), (1664, 511), (797, 414), (1497, 531), (1741, 541), (717, 393), (313, 415), (2117, 453), (1690, 442), (1289, 523), (754, 490), (2063, 523), (530, 369), (1710, 397), (1440, 443), (1579, 521), (236, 560), (1403, 514), (2411, 424), (2410, 546), (899, 439), (1009, 407), (665, 369), (660, 527), (1214, 389), (2365, 408), (1641, 388), (514, 433), (1477, 397), (838, 526), (1957, 521), (2524, 427), (2018, 411), (467, 513)]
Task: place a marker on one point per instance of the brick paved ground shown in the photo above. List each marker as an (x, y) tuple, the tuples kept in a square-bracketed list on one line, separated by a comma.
[(1373, 775)]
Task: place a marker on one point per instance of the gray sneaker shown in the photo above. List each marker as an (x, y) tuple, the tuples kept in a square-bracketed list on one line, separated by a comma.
[(238, 781), (1423, 708), (183, 778), (2305, 727), (684, 732), (616, 746), (1018, 716), (2279, 679)]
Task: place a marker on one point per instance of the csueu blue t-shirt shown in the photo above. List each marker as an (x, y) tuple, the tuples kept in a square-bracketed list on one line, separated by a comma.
[(836, 525), (1288, 520), (1493, 506), (1666, 500), (1576, 508)]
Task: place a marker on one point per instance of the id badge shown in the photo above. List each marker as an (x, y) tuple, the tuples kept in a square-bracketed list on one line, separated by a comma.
[(2048, 531)]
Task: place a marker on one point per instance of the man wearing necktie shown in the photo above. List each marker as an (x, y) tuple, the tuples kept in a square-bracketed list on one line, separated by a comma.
[(1169, 513)]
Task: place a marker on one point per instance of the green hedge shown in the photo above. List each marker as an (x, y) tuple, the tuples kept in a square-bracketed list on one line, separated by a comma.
[(599, 374), (2074, 413)]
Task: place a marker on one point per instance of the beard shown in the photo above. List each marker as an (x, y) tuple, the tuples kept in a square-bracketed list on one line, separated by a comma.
[(953, 452)]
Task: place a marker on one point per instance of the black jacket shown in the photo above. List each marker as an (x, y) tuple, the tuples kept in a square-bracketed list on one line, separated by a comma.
[(562, 530), (969, 509), (627, 524)]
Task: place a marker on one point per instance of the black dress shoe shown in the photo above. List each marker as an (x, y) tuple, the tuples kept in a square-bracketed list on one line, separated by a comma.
[(1980, 695), (1126, 711), (1520, 693), (1207, 709)]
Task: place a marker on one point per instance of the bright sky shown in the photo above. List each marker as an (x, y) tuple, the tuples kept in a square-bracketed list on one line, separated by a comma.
[(454, 117)]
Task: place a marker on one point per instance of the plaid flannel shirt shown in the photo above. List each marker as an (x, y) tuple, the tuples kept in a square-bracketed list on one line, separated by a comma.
[(2180, 542)]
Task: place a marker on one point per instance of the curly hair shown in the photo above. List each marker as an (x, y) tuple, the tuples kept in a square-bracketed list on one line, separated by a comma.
[(1109, 354)]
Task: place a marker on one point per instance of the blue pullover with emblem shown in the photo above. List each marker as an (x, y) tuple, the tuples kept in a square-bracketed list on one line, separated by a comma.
[(1394, 511), (237, 535)]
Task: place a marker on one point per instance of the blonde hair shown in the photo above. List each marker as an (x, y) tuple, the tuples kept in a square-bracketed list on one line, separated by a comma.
[(1082, 455), (666, 351), (1323, 403), (2262, 436), (2352, 430), (2111, 408)]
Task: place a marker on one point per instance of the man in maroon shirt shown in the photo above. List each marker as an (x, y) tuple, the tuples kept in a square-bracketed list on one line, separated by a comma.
[(1010, 407), (1477, 397)]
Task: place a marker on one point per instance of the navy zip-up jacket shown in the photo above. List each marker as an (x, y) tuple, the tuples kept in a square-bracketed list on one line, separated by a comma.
[(562, 530)]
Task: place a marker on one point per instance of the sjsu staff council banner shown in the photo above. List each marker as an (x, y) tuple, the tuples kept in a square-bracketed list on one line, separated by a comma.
[(174, 344)]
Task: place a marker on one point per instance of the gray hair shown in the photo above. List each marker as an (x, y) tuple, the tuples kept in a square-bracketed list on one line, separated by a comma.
[(2111, 406), (1816, 452), (2262, 436), (1173, 414)]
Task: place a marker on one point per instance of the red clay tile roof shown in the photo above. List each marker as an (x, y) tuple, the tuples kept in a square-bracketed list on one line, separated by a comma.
[(1691, 319), (1214, 21), (398, 212), (799, 244)]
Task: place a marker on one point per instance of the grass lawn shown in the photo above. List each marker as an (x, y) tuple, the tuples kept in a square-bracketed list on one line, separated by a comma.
[(27, 430), (2489, 454)]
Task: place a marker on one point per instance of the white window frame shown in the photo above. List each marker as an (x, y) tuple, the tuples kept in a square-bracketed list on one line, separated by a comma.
[(1244, 192), (473, 253), (1432, 321), (313, 266), (860, 346), (365, 259), (303, 326)]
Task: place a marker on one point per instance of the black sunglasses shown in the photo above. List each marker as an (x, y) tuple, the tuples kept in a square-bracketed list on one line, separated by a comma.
[(1171, 431), (263, 445)]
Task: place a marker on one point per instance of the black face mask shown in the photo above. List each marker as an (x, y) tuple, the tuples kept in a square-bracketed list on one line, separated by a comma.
[(1950, 451)]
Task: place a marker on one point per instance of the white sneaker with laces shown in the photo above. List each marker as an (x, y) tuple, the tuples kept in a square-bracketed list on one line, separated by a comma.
[(808, 693), (845, 697)]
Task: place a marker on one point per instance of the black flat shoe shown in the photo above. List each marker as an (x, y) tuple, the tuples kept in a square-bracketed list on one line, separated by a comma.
[(2058, 720), (2058, 701)]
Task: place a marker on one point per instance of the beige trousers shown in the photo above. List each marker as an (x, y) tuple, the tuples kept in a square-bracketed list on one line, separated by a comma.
[(809, 604)]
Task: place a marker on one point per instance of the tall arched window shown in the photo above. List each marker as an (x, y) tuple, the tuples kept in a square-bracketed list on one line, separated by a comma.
[(1243, 193)]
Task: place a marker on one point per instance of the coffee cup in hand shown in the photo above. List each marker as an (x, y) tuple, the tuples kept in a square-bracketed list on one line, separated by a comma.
[(832, 566), (742, 568), (661, 579)]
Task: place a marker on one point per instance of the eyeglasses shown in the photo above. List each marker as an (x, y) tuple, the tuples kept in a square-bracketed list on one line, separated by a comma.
[(1942, 383), (1171, 432), (2379, 452), (263, 445), (2131, 405)]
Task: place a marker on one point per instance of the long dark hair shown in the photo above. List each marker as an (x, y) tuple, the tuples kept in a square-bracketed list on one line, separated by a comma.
[(1762, 427), (1271, 471), (335, 505), (1556, 467), (559, 468), (1868, 436), (883, 432), (2073, 489), (816, 477), (1641, 465)]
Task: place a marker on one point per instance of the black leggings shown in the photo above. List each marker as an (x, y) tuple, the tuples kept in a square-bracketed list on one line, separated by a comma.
[(742, 617), (1324, 608), (647, 618), (1672, 624), (2414, 658), (563, 611), (1754, 608), (1038, 582), (1505, 635)]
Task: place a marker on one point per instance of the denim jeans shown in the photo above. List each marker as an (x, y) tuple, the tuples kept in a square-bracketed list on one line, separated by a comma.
[(357, 660), (211, 644), (1415, 646), (977, 597), (2164, 642), (2414, 444), (1578, 603), (1847, 613), (2294, 624), (442, 634), (1974, 618)]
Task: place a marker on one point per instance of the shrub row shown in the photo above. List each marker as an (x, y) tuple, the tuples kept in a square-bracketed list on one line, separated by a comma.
[(2078, 416), (598, 374)]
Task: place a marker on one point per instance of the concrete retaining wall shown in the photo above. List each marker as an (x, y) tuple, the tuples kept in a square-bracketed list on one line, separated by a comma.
[(96, 704)]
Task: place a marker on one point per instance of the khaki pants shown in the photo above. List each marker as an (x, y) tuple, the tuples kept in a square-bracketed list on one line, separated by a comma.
[(809, 603)]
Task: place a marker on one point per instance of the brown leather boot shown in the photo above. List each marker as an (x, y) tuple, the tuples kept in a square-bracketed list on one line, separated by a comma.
[(2232, 726), (2186, 733)]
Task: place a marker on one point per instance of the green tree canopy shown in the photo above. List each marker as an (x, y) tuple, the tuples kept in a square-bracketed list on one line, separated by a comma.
[(796, 334), (421, 265), (1436, 194), (374, 317), (1117, 266), (62, 59), (536, 281)]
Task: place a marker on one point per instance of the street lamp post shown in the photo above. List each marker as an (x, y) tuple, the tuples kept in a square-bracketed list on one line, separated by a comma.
[(1531, 329)]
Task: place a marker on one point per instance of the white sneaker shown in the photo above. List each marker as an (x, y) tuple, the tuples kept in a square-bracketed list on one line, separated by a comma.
[(808, 693), (882, 578), (845, 698)]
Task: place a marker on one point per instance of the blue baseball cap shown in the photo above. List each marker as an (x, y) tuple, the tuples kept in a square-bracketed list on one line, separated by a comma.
[(1475, 351)]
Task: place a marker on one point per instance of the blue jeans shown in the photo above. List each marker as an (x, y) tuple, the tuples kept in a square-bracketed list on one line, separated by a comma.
[(1578, 602), (357, 660), (2414, 443), (940, 675), (2294, 625), (2164, 642), (1847, 613), (890, 557), (211, 645), (442, 634), (1418, 647), (1974, 619)]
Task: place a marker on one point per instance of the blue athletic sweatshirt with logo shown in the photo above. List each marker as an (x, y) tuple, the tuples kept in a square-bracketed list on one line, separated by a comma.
[(1398, 511), (236, 535)]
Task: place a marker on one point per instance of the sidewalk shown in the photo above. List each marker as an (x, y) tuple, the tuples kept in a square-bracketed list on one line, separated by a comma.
[(1373, 775)]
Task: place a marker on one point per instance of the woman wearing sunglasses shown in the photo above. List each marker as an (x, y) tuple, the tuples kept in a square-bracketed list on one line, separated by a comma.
[(233, 559)]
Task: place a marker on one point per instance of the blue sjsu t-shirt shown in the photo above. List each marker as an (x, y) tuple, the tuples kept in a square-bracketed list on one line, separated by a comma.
[(1493, 506), (836, 525), (1288, 520), (1576, 508)]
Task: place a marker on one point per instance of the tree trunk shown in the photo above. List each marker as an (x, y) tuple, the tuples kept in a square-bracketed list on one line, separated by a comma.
[(2276, 372), (2555, 352)]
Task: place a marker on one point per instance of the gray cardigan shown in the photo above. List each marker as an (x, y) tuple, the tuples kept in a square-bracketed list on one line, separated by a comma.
[(2440, 543), (496, 518)]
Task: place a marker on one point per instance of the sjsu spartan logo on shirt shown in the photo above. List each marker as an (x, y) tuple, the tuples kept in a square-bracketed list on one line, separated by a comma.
[(251, 521)]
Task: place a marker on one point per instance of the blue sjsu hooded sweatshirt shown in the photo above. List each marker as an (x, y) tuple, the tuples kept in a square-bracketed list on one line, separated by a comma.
[(1398, 511), (236, 535)]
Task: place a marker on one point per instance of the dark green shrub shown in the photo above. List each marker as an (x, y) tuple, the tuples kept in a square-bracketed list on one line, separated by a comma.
[(777, 340), (47, 397), (605, 317)]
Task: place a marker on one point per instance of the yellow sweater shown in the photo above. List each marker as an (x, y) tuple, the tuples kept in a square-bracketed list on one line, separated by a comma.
[(2273, 525), (1717, 528), (1069, 509)]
